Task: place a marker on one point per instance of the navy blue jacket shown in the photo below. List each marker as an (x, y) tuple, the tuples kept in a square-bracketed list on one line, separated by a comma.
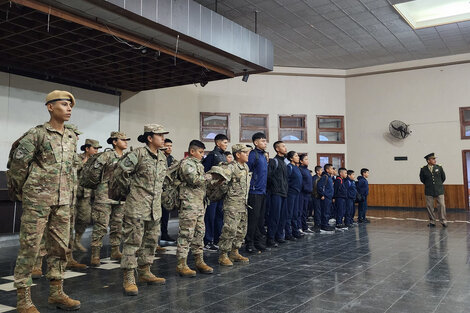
[(362, 186), (215, 157), (259, 166), (341, 189), (307, 182), (351, 185), (325, 186), (294, 179), (277, 176)]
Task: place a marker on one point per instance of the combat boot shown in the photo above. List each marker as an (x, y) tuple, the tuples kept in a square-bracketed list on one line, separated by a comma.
[(95, 257), (201, 266), (130, 288), (115, 253), (36, 273), (72, 264), (77, 245), (224, 260), (58, 298), (146, 276), (237, 257), (23, 301), (183, 269)]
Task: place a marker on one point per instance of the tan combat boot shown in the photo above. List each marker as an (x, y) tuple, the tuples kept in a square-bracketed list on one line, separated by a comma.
[(36, 273), (160, 249), (115, 253), (237, 257), (183, 269), (95, 257), (23, 301), (201, 266), (130, 288), (77, 245), (72, 264), (146, 276), (58, 298), (224, 260)]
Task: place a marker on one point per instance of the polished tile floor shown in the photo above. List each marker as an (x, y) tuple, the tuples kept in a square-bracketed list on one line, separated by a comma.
[(394, 264)]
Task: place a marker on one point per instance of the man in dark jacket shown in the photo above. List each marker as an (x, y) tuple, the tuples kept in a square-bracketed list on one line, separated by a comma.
[(432, 176), (316, 199), (326, 192), (340, 195), (363, 190), (214, 217), (258, 164), (277, 185)]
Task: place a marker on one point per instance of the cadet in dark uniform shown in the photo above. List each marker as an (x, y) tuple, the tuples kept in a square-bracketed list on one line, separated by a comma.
[(432, 176)]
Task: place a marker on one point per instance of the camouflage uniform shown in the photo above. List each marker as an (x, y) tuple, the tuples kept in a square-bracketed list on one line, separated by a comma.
[(43, 168), (235, 203), (83, 204), (192, 209), (106, 211), (144, 172)]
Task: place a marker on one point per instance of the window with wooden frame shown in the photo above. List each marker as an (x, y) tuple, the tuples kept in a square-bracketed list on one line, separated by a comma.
[(330, 129), (293, 128), (251, 124), (213, 124), (337, 159), (465, 123)]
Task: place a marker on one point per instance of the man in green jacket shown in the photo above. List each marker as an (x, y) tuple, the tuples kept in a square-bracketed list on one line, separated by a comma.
[(432, 176)]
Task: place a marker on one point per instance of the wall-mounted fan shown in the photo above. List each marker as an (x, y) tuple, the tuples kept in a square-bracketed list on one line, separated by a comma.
[(399, 129)]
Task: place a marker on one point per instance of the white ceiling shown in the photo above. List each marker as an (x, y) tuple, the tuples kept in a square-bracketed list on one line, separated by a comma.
[(342, 34)]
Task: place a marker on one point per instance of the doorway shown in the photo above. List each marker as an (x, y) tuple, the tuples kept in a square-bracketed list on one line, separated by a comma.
[(466, 175)]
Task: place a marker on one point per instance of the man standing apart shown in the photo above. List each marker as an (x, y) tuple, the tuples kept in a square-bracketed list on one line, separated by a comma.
[(433, 177), (42, 176), (165, 213)]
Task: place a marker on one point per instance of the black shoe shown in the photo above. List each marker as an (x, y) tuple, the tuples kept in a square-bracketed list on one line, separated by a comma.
[(291, 238), (261, 248), (308, 231), (316, 229), (271, 243), (349, 225), (328, 228), (166, 237), (280, 241), (297, 236), (250, 249), (360, 221), (341, 226), (366, 220), (431, 225)]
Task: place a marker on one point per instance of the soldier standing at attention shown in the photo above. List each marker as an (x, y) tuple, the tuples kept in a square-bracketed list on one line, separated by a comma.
[(42, 177), (83, 205), (235, 206), (107, 211), (165, 213), (191, 211), (433, 177), (143, 170)]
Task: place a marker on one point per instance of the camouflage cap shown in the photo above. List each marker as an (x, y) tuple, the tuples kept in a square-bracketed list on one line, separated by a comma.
[(240, 148), (73, 128), (219, 170), (155, 128), (117, 135), (57, 95), (92, 143)]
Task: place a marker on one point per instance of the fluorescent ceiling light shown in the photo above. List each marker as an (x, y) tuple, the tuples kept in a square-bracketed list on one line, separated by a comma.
[(428, 13)]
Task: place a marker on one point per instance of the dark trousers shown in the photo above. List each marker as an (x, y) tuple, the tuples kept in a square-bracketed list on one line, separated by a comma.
[(214, 220), (333, 210), (255, 214), (164, 222), (292, 214), (305, 203), (362, 209), (340, 204), (316, 211), (277, 216), (348, 219), (325, 211)]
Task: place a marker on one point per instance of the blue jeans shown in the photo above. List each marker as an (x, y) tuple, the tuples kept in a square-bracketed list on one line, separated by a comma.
[(214, 220), (317, 211), (325, 211), (362, 209), (340, 210), (292, 215), (277, 217)]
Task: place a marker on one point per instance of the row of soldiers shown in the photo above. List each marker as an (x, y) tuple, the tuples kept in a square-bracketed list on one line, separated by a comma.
[(43, 173)]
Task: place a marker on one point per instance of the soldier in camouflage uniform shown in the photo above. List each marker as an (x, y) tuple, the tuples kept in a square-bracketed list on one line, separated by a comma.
[(143, 170), (235, 206), (84, 195), (41, 175), (191, 212), (106, 211)]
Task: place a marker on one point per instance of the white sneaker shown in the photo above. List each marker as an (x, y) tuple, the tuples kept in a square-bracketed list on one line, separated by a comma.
[(332, 222)]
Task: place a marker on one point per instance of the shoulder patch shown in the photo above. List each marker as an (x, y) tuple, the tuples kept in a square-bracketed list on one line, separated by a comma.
[(130, 160)]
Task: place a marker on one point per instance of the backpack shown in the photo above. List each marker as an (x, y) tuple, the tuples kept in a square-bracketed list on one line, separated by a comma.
[(92, 172), (14, 191), (117, 188), (215, 190), (171, 190), (315, 187)]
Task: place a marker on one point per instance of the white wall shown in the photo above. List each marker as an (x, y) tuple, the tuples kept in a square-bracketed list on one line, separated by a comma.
[(22, 107), (178, 108), (429, 100)]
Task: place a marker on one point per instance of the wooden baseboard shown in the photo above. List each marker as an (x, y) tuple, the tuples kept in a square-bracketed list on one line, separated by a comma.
[(412, 196)]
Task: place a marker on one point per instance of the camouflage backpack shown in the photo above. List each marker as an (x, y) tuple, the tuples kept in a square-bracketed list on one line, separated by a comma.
[(171, 190), (92, 172), (14, 192), (118, 189), (217, 190)]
